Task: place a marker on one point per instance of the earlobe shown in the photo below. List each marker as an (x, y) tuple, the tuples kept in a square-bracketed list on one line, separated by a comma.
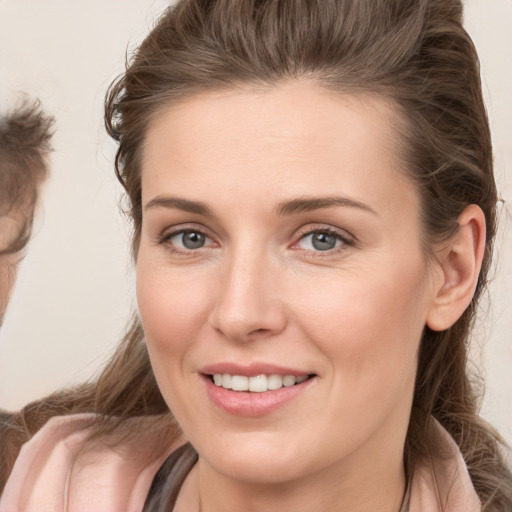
[(459, 264)]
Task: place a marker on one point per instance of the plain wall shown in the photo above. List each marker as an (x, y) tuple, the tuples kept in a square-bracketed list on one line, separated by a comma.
[(75, 289)]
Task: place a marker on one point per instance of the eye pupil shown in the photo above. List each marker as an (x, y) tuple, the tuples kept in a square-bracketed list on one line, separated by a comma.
[(193, 240), (323, 241)]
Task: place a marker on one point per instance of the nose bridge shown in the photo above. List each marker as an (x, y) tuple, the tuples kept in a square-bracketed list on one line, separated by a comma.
[(247, 304)]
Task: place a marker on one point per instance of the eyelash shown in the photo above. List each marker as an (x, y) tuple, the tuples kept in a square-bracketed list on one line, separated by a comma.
[(346, 241), (165, 238)]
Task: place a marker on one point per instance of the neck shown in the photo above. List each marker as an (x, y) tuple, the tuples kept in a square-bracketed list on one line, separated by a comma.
[(378, 486)]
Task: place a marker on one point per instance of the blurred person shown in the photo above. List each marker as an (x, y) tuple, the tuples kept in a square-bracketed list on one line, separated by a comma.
[(25, 135)]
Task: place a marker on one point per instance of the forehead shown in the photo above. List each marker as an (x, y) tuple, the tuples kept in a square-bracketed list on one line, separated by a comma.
[(297, 138)]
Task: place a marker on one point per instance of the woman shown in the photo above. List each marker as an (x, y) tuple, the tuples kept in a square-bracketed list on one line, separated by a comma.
[(314, 208)]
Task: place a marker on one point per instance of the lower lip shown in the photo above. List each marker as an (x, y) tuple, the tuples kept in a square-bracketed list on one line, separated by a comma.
[(246, 403)]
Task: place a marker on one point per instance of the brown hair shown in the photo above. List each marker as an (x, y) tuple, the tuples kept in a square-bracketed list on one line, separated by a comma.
[(416, 54), (25, 135)]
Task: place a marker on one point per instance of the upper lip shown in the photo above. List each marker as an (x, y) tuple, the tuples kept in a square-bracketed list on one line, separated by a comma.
[(251, 370)]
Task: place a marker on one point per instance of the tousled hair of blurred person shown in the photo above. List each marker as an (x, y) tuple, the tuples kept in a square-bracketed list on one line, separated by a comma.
[(25, 135)]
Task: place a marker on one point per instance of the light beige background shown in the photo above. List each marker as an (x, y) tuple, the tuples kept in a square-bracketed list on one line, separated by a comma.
[(75, 288)]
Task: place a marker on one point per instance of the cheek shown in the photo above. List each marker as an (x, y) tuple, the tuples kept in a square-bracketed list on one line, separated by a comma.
[(369, 333), (368, 325), (171, 311), (171, 308)]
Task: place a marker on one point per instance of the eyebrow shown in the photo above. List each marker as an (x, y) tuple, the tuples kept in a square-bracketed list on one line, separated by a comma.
[(300, 205), (308, 204), (181, 204)]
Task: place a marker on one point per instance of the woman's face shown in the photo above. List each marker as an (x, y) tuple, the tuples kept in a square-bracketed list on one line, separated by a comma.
[(281, 242)]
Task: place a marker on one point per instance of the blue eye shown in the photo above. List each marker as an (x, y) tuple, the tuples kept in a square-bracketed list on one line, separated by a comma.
[(188, 240), (320, 241)]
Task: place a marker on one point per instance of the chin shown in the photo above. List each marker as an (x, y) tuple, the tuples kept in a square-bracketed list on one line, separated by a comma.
[(256, 459)]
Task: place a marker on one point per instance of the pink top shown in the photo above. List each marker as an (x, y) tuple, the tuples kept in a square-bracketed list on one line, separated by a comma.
[(52, 474)]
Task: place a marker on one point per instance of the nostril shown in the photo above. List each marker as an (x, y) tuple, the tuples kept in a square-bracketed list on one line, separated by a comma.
[(260, 331)]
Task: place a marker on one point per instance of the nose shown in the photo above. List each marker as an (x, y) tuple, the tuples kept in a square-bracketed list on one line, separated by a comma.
[(248, 303)]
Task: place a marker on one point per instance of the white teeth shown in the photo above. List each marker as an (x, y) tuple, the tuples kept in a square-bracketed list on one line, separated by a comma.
[(288, 380), (258, 383), (275, 382), (226, 380), (239, 383)]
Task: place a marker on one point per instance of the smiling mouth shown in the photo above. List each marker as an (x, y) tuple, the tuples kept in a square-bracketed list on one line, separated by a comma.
[(258, 383)]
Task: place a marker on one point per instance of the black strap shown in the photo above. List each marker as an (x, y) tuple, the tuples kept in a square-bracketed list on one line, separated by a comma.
[(169, 478)]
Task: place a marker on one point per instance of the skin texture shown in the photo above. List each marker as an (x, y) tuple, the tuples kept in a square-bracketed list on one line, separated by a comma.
[(10, 226), (259, 291)]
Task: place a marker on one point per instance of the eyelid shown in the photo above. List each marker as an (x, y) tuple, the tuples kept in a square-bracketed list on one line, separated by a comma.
[(168, 233), (346, 238)]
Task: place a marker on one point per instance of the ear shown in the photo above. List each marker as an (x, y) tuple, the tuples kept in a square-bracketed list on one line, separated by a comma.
[(459, 264)]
